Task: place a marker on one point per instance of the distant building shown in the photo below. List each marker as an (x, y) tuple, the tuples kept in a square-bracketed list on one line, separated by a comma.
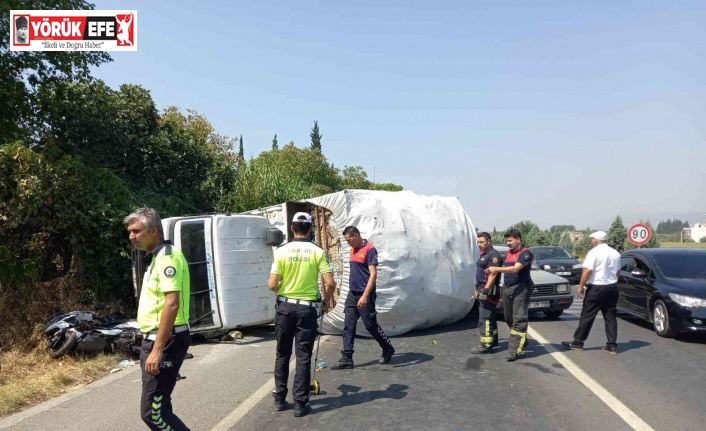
[(576, 236), (696, 232)]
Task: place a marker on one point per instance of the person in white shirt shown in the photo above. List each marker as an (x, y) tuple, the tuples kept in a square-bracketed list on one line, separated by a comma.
[(599, 288)]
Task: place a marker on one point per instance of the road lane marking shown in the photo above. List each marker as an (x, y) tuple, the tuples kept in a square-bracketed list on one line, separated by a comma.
[(244, 408), (632, 419)]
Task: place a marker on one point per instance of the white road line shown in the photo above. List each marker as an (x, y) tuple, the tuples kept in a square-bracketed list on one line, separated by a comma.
[(633, 420), (243, 408)]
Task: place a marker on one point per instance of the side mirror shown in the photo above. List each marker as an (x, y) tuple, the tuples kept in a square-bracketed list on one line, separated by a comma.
[(638, 273), (274, 237)]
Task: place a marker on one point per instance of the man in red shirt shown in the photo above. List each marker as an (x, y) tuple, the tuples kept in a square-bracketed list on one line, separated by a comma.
[(360, 302)]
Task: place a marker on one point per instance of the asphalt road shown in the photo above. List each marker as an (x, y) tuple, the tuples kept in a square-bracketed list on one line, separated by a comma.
[(432, 383)]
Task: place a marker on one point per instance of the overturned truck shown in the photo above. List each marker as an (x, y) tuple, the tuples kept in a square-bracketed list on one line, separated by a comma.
[(426, 252)]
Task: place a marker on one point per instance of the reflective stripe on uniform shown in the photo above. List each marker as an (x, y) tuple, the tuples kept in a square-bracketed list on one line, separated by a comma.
[(487, 337), (523, 338), (157, 414)]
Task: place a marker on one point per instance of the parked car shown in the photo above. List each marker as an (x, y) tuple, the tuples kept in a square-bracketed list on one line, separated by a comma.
[(666, 287), (550, 294), (559, 261)]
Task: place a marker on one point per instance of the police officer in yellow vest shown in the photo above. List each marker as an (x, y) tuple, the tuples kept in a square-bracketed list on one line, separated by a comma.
[(163, 316), (295, 277)]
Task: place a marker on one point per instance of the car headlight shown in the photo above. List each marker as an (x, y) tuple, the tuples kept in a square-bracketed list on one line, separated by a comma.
[(547, 267), (687, 301), (562, 288), (577, 266)]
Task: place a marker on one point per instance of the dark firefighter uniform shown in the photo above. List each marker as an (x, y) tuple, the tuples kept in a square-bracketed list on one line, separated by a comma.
[(168, 272), (488, 298), (516, 298)]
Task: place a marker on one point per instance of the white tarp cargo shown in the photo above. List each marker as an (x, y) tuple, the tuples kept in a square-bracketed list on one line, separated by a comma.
[(426, 247)]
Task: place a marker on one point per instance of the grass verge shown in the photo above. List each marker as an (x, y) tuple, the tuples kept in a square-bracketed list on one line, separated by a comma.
[(28, 378), (683, 245)]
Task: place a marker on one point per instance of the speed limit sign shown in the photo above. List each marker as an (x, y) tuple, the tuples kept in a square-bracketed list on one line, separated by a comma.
[(639, 234)]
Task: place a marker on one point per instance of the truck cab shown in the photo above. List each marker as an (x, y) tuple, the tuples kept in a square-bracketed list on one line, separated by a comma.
[(229, 258)]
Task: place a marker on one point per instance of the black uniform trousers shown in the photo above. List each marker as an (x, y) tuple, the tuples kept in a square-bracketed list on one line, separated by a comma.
[(602, 298), (368, 315), (156, 404), (487, 317), (294, 323), (487, 323), (516, 299)]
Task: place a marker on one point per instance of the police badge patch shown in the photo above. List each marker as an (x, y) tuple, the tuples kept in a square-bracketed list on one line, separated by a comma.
[(495, 260), (169, 271)]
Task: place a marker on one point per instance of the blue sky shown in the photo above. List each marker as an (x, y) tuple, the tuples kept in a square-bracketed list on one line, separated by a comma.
[(556, 112)]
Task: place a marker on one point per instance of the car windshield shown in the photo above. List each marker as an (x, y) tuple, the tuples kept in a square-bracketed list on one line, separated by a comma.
[(682, 265), (551, 253)]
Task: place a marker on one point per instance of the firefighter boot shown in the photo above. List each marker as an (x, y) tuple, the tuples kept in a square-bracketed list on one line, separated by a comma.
[(482, 350), (346, 361)]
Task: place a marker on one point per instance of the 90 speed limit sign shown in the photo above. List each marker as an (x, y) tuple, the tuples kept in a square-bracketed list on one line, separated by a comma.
[(639, 234)]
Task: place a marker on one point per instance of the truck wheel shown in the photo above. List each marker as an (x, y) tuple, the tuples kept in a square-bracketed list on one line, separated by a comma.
[(553, 314), (64, 344), (660, 318)]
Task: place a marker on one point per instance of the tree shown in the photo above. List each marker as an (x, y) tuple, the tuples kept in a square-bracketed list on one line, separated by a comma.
[(274, 142), (241, 154), (565, 241), (562, 228), (354, 177), (315, 137), (582, 246), (390, 187), (617, 234), (21, 72), (526, 228), (670, 226)]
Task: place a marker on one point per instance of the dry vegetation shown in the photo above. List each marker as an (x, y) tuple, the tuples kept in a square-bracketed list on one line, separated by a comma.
[(27, 374), (28, 378)]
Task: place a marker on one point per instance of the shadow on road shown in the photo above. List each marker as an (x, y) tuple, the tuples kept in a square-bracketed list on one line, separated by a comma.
[(693, 338), (404, 359), (352, 395)]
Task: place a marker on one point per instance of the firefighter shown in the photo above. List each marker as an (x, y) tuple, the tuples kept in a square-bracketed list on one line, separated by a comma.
[(488, 294), (360, 303), (516, 291)]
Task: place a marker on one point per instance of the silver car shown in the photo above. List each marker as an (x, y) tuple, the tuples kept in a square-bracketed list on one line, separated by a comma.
[(550, 294)]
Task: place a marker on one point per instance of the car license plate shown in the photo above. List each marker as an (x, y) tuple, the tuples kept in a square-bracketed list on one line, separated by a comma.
[(539, 304), (563, 273)]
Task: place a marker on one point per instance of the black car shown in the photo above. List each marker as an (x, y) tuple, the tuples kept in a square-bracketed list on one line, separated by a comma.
[(558, 261), (666, 287)]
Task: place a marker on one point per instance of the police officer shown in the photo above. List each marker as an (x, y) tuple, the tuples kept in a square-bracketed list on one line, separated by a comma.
[(163, 317), (516, 291), (360, 302), (294, 276), (488, 294)]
